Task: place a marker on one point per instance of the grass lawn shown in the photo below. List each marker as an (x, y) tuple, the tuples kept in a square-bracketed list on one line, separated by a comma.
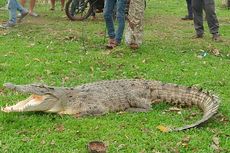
[(53, 50)]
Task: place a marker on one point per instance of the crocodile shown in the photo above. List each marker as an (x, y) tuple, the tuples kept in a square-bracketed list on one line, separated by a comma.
[(98, 98)]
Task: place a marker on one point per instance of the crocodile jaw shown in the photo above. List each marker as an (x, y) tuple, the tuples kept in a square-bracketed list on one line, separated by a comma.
[(33, 103)]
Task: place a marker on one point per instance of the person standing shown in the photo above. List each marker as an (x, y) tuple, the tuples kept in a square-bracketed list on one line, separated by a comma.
[(134, 30), (53, 5), (114, 37), (13, 7), (189, 8), (209, 7), (31, 8)]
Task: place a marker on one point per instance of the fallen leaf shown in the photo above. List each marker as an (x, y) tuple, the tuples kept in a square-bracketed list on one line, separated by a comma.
[(222, 118), (42, 142), (37, 60), (163, 128), (23, 132), (52, 142), (216, 144), (60, 128), (191, 116), (185, 141), (216, 52), (26, 139), (91, 69), (1, 91)]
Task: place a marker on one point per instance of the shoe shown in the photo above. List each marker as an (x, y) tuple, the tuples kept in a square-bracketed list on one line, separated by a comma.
[(197, 36), (52, 9), (22, 16), (133, 46), (187, 18), (112, 44), (216, 37), (7, 25), (33, 14)]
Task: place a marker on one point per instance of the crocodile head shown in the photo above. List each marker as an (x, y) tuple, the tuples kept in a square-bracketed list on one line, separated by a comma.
[(43, 98)]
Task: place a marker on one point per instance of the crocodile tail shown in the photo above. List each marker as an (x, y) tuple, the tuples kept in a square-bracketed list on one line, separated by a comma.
[(209, 105), (187, 96)]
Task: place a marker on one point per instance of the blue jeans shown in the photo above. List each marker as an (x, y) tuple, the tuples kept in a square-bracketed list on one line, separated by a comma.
[(120, 14), (13, 6)]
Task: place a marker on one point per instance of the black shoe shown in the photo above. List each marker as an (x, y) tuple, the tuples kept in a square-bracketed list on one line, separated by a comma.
[(187, 18), (216, 37)]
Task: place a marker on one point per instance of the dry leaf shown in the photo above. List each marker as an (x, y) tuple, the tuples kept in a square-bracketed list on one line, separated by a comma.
[(222, 118), (1, 91), (52, 142), (163, 128), (185, 141), (92, 69), (42, 142), (216, 52), (26, 139), (216, 144), (60, 128), (36, 59)]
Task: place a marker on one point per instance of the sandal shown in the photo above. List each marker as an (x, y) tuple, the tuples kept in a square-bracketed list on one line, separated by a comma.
[(111, 44)]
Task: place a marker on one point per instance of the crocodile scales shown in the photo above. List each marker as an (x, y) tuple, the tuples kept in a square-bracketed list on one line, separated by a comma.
[(112, 96)]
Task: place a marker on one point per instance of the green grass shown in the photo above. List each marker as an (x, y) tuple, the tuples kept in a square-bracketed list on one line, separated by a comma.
[(56, 51)]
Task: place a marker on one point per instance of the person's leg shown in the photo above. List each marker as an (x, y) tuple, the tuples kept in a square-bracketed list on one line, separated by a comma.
[(52, 4), (189, 7), (12, 7), (23, 2), (32, 4), (22, 10), (189, 15), (197, 7), (213, 23), (31, 11), (62, 4), (108, 16), (121, 4)]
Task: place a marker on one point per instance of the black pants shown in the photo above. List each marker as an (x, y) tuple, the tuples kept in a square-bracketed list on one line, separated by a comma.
[(209, 7), (189, 7)]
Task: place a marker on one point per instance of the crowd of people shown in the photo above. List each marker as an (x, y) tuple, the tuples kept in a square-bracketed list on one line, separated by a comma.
[(13, 6), (134, 30), (195, 12)]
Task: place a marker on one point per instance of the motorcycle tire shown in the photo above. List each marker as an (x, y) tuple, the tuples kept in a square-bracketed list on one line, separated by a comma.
[(81, 13)]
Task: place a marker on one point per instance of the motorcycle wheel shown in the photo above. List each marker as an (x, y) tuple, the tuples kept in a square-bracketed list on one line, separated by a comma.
[(78, 10)]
